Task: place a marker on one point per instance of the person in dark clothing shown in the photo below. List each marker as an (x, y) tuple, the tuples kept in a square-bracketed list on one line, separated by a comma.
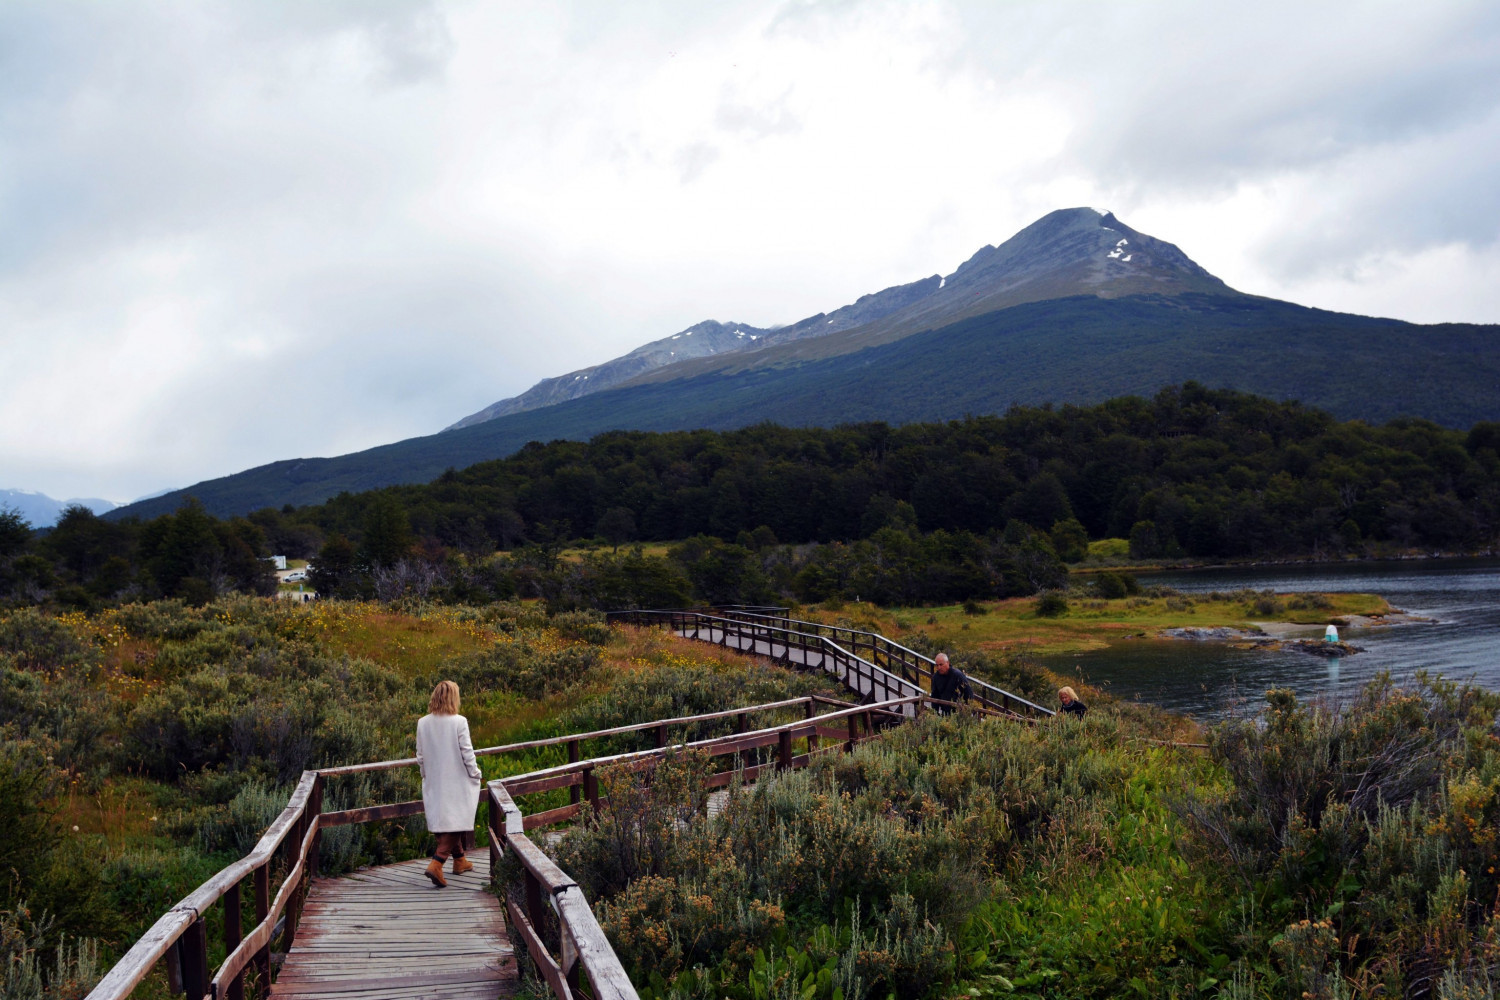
[(1070, 703), (949, 684)]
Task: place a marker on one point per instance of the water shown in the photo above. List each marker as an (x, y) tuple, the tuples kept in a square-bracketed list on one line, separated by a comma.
[(1210, 680)]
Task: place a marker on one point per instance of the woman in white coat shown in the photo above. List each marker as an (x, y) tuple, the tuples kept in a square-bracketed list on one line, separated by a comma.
[(450, 780)]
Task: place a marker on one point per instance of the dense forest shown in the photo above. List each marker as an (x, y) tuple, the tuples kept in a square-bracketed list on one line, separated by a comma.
[(986, 506)]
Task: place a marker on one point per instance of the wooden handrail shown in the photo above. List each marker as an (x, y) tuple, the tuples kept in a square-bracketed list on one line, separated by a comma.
[(891, 644), (921, 664), (261, 934), (552, 741), (759, 737), (583, 942), (138, 962)]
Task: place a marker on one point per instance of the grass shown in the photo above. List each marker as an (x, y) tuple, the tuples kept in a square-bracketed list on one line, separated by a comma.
[(1013, 626)]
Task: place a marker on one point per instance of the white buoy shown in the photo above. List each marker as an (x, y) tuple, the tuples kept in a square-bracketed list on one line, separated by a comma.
[(1332, 634)]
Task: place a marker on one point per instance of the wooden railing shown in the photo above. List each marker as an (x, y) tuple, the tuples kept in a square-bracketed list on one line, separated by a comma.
[(180, 937), (581, 944), (886, 669)]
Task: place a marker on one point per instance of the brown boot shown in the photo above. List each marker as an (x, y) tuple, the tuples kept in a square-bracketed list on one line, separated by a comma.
[(462, 864), (435, 872)]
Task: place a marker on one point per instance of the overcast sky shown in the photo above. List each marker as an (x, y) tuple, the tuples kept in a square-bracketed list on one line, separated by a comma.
[(232, 233)]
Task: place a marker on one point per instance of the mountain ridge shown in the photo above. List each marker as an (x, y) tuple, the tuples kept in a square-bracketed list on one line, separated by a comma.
[(1063, 252), (1076, 350), (1075, 308)]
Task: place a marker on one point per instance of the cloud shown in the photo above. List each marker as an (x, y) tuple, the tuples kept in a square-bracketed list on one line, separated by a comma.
[(240, 232)]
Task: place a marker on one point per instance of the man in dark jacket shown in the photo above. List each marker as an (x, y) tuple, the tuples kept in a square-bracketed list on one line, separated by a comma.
[(948, 684)]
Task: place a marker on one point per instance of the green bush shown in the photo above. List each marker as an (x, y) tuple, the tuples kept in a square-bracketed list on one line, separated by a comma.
[(1051, 605), (1379, 818), (1112, 586)]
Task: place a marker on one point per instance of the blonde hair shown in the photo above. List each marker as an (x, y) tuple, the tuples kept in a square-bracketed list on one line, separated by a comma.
[(1067, 691), (444, 699)]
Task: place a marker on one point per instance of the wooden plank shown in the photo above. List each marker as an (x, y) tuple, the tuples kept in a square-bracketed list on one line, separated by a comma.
[(388, 934), (370, 814), (594, 953), (550, 816)]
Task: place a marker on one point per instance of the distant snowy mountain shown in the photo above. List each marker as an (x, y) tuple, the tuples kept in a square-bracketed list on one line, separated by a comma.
[(703, 340), (42, 511), (1075, 251)]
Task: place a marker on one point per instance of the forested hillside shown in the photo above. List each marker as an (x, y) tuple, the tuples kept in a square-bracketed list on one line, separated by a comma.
[(986, 506), (1190, 472)]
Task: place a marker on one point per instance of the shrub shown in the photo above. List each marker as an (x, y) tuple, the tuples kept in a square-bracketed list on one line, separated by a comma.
[(1112, 586), (1380, 814), (75, 968), (975, 608), (1051, 605), (1310, 602)]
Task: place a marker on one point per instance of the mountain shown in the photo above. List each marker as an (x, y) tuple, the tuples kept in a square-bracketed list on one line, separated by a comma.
[(42, 511), (1076, 308), (713, 340), (703, 339), (1067, 252)]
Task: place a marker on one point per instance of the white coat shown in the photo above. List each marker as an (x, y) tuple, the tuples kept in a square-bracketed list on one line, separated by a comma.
[(450, 774)]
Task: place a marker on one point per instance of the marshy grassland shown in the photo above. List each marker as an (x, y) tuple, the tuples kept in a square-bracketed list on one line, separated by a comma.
[(1087, 621), (1315, 852)]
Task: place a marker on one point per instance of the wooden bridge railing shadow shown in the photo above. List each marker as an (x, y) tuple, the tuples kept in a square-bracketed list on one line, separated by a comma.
[(572, 946)]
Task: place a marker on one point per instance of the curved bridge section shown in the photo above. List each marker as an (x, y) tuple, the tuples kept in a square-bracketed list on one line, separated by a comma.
[(867, 663)]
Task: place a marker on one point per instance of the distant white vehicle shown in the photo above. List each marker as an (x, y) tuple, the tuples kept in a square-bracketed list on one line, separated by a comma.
[(295, 576), (278, 561)]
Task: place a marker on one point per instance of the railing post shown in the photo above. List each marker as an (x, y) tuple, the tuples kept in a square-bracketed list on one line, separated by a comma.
[(314, 810), (575, 792), (739, 722), (174, 967), (293, 855), (194, 945), (591, 788), (262, 910), (853, 733), (812, 737), (492, 822), (233, 935), (784, 750), (661, 736), (869, 723), (533, 900)]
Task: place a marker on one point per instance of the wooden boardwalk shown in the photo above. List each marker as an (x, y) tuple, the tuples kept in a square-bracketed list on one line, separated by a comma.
[(389, 934), (811, 658)]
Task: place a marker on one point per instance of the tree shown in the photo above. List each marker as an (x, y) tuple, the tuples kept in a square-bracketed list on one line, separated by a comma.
[(1144, 540), (387, 531), (334, 573), (1042, 502), (187, 548), (617, 526), (15, 532), (1070, 540)]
